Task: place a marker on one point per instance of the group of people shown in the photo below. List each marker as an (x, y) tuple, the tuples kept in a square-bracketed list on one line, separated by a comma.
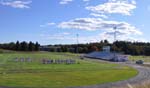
[(47, 61), (58, 61), (23, 60)]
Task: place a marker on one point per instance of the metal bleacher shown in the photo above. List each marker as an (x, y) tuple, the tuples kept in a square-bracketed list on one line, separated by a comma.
[(101, 55), (106, 54)]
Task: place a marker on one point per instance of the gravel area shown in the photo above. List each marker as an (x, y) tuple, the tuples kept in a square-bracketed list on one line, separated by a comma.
[(144, 75)]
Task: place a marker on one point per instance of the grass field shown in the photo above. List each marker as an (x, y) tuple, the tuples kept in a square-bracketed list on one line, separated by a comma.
[(144, 58), (37, 75)]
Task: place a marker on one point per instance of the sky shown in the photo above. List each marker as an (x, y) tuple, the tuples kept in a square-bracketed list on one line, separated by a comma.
[(60, 21)]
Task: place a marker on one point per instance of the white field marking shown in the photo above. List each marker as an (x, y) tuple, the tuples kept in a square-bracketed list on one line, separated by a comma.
[(129, 85)]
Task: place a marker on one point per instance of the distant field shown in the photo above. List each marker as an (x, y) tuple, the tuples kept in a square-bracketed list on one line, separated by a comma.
[(37, 75), (144, 58)]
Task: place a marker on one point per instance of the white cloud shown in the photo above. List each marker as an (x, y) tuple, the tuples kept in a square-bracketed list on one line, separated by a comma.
[(85, 0), (125, 31), (125, 1), (132, 39), (66, 33), (81, 23), (95, 24), (68, 1), (121, 37), (114, 6), (48, 24), (91, 24), (57, 36), (65, 1), (89, 39), (133, 2), (73, 39), (99, 15), (17, 4)]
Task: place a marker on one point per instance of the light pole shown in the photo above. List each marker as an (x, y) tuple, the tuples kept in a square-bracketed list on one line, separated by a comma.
[(77, 42), (115, 35)]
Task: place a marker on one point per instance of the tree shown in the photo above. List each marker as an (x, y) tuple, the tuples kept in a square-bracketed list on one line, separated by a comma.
[(11, 46), (31, 46), (24, 46), (106, 42), (147, 50), (94, 48), (17, 46), (37, 46)]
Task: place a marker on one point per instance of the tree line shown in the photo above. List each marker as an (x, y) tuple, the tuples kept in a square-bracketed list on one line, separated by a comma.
[(21, 46), (126, 47)]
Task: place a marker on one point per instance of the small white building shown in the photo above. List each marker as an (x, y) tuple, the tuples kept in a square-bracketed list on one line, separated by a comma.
[(106, 48)]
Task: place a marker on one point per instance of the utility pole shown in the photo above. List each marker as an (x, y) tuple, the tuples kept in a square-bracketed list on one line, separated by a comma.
[(77, 43)]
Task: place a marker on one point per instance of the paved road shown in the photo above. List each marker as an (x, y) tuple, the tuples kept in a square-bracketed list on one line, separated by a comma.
[(144, 75)]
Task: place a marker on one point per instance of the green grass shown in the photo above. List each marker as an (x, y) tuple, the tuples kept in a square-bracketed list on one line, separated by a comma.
[(37, 75), (144, 58)]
